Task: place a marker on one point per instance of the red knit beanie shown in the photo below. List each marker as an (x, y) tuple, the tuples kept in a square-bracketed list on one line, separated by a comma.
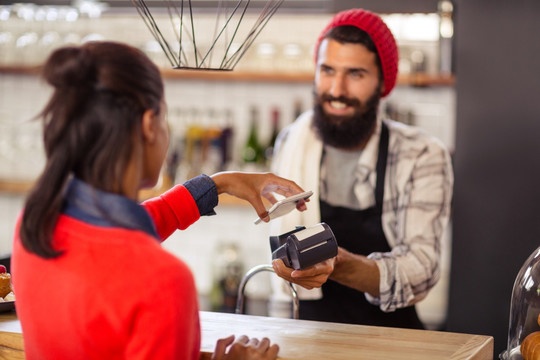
[(381, 36)]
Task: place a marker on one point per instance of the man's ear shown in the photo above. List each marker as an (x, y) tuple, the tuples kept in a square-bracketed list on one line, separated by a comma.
[(148, 126)]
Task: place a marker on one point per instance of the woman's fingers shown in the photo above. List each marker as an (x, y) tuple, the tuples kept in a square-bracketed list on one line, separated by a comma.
[(272, 351), (245, 348), (264, 344), (253, 342), (253, 187), (221, 347)]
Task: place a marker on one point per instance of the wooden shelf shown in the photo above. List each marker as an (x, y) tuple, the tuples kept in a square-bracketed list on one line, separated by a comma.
[(22, 188), (21, 70), (224, 199), (238, 76), (15, 186), (421, 79), (229, 200)]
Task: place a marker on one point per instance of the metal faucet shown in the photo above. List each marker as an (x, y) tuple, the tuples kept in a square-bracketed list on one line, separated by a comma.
[(251, 272)]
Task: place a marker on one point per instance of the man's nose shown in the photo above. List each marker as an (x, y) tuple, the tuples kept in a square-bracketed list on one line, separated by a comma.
[(338, 87)]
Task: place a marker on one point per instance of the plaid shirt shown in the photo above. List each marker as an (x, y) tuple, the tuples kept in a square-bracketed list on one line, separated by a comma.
[(416, 209)]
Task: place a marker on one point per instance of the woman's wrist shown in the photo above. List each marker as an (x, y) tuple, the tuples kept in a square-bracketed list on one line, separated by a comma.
[(203, 189), (220, 182)]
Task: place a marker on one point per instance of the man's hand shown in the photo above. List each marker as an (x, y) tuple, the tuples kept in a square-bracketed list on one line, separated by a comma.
[(309, 278), (357, 272), (352, 270)]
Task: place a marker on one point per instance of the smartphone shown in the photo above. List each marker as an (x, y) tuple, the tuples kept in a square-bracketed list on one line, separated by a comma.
[(285, 206)]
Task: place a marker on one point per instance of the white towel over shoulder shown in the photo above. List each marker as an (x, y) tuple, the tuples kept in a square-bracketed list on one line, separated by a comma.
[(288, 162)]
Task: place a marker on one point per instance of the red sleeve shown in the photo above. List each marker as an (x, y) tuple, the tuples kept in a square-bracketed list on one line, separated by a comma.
[(174, 209)]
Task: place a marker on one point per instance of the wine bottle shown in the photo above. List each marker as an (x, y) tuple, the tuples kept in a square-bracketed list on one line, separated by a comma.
[(252, 152), (297, 109), (226, 139), (269, 150)]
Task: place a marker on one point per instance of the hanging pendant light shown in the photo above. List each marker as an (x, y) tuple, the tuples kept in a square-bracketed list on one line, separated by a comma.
[(189, 41)]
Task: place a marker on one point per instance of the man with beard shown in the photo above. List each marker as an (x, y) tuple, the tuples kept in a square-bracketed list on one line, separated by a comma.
[(384, 188)]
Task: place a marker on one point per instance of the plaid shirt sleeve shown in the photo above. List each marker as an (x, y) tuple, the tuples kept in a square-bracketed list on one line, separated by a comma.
[(416, 211)]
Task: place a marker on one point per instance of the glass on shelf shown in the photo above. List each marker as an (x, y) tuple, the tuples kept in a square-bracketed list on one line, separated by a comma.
[(524, 308), (6, 36), (265, 56), (290, 57), (6, 45)]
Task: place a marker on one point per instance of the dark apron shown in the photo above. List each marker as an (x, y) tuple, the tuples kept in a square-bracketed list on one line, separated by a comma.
[(360, 232)]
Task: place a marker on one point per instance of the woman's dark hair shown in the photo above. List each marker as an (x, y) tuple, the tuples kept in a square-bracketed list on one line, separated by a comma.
[(354, 35), (92, 126)]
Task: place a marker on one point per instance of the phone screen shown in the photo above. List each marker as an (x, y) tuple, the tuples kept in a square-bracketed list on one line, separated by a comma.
[(285, 206)]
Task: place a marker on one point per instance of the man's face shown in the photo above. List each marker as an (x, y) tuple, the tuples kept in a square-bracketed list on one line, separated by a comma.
[(347, 93)]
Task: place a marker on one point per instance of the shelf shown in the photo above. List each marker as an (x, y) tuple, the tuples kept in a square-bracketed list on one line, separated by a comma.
[(224, 199), (15, 186), (238, 76), (20, 70), (19, 187), (301, 77), (421, 80)]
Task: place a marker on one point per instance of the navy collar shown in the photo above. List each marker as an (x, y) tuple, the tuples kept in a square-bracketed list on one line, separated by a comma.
[(101, 208)]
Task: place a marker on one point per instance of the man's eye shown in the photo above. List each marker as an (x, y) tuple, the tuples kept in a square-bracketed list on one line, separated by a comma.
[(326, 70)]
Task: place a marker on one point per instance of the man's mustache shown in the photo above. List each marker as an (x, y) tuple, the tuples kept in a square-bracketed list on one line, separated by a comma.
[(347, 101)]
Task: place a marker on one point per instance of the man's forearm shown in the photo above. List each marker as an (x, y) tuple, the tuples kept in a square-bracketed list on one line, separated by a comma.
[(357, 272)]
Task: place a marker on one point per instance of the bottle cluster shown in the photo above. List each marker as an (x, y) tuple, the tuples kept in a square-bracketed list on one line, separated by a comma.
[(209, 140), (200, 142), (257, 154)]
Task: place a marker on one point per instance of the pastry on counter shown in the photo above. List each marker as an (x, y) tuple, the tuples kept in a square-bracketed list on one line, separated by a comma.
[(530, 347), (5, 282)]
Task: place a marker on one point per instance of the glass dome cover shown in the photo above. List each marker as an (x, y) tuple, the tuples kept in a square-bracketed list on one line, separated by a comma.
[(524, 308)]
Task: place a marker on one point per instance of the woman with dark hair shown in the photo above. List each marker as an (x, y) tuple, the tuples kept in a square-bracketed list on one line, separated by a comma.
[(90, 276)]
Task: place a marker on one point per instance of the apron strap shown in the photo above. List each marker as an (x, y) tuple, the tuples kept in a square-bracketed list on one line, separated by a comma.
[(381, 167)]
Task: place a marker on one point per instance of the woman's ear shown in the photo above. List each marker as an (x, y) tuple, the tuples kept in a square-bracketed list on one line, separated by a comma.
[(149, 126)]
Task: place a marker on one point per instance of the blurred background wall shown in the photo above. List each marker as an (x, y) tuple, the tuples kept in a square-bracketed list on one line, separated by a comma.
[(274, 77)]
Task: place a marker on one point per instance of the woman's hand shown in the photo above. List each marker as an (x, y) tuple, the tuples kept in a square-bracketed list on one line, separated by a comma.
[(253, 186), (312, 277), (245, 348)]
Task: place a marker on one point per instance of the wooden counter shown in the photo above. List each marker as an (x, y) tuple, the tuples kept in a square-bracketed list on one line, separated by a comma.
[(11, 342), (299, 339)]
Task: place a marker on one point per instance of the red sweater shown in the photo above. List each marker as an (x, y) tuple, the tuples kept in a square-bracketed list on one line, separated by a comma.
[(113, 294)]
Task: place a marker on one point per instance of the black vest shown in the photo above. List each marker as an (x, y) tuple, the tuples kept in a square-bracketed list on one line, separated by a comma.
[(360, 232)]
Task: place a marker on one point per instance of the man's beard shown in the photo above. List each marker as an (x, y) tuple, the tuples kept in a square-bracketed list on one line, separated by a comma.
[(346, 132)]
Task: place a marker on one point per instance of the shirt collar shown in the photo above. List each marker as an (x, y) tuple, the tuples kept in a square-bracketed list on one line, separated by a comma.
[(101, 208)]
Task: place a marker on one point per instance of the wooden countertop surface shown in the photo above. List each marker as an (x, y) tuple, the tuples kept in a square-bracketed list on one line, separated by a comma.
[(300, 339)]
